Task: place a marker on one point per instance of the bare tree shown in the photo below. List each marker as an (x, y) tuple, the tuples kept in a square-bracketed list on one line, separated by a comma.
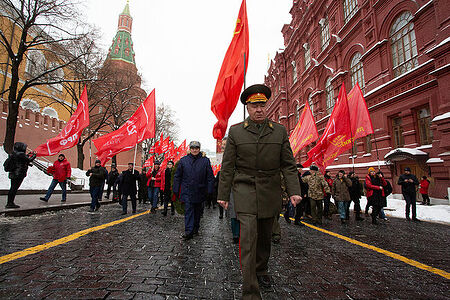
[(46, 29)]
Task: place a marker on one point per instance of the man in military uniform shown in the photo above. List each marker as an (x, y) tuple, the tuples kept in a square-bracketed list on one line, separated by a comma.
[(316, 187), (257, 151)]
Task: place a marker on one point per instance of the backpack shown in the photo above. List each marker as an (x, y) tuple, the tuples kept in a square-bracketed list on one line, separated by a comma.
[(8, 165)]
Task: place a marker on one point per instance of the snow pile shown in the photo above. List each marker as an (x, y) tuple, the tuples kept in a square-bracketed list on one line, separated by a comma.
[(396, 208), (36, 179)]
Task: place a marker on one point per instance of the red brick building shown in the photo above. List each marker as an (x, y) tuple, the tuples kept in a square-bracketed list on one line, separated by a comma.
[(399, 53)]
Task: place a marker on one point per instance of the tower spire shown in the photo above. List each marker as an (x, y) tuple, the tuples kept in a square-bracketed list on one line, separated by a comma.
[(122, 45)]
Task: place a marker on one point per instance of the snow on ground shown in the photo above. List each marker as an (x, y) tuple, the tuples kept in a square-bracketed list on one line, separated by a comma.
[(396, 208), (36, 179)]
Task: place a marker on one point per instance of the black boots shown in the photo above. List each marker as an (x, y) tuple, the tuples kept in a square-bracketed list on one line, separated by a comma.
[(11, 205)]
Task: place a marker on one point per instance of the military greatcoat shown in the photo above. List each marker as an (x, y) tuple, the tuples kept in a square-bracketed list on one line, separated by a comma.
[(251, 166)]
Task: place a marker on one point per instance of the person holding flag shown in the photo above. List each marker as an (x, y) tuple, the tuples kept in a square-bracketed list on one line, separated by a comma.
[(61, 171)]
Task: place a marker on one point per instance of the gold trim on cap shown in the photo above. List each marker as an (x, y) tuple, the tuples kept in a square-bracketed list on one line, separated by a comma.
[(258, 97)]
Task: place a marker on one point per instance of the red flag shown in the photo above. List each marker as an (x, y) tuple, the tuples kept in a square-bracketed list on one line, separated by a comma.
[(140, 126), (165, 144), (69, 135), (305, 131), (149, 162), (231, 75), (359, 116), (337, 136)]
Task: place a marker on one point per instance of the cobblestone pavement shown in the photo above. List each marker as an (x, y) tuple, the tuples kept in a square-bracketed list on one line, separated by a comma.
[(144, 258)]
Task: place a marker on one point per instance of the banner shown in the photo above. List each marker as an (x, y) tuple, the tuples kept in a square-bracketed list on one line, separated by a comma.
[(337, 136), (359, 114), (140, 126), (305, 131), (69, 135), (231, 75)]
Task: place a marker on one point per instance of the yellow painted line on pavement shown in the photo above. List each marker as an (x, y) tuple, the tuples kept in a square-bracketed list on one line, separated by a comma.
[(382, 251), (74, 236)]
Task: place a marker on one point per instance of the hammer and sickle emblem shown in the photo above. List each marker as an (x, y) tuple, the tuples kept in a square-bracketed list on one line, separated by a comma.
[(238, 27), (131, 129)]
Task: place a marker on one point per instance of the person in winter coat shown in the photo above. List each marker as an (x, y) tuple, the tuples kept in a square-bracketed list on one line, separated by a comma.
[(408, 183), (216, 189), (61, 171), (112, 176), (327, 196), (387, 192), (193, 182), (97, 176), (341, 194), (142, 187), (316, 188), (424, 185), (129, 179), (375, 185), (301, 207), (17, 165), (355, 196), (167, 195), (154, 185), (118, 186)]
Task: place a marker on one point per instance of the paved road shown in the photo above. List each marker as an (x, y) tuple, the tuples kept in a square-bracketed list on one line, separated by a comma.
[(144, 258)]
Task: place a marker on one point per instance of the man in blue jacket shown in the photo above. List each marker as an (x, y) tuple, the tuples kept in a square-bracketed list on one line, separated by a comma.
[(193, 182)]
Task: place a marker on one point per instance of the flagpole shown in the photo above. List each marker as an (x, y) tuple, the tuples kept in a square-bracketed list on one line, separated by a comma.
[(245, 75), (351, 136), (134, 159), (376, 148)]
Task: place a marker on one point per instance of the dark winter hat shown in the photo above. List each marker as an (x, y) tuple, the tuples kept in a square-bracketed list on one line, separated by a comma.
[(407, 169), (194, 144), (62, 155), (98, 161), (299, 166), (341, 171), (170, 162), (314, 168), (256, 93), (20, 147), (351, 173), (157, 163)]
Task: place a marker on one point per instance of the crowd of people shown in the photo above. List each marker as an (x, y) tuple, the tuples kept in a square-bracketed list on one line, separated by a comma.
[(258, 180)]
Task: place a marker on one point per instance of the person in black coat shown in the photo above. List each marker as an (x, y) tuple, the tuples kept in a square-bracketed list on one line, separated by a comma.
[(193, 182), (142, 186), (216, 188), (167, 193), (129, 179), (409, 183), (97, 176), (355, 195), (112, 176), (17, 165), (118, 186)]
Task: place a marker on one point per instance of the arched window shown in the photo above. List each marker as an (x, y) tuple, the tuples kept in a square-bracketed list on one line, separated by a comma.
[(294, 72), (30, 104), (330, 95), (403, 44), (324, 33), (311, 104), (350, 8), (51, 112), (36, 63), (307, 56), (357, 71), (56, 76), (297, 113)]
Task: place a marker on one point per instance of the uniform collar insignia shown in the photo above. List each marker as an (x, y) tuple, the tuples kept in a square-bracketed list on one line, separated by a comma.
[(246, 124)]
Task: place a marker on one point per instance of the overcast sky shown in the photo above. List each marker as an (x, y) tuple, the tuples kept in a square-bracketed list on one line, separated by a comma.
[(180, 46)]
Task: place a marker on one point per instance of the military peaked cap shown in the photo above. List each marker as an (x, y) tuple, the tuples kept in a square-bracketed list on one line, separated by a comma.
[(256, 93)]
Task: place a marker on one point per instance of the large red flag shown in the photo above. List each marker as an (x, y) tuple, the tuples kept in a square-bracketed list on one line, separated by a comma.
[(337, 136), (305, 131), (231, 75), (359, 114), (140, 126), (69, 135)]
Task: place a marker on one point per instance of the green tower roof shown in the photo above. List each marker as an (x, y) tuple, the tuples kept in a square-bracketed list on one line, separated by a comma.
[(122, 45)]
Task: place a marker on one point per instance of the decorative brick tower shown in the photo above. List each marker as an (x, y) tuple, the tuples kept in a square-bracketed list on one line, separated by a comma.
[(122, 46)]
